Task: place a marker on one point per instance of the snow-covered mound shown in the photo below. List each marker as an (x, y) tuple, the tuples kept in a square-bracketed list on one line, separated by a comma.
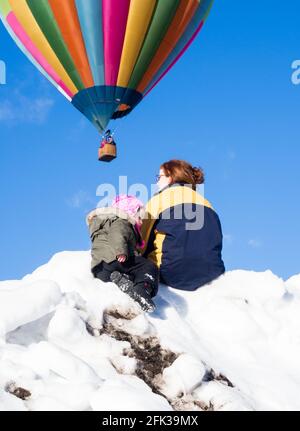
[(71, 342)]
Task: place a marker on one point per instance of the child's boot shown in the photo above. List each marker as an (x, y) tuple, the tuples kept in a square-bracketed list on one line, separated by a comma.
[(141, 293), (121, 280)]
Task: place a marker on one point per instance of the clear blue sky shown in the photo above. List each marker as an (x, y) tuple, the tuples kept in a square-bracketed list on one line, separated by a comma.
[(232, 91)]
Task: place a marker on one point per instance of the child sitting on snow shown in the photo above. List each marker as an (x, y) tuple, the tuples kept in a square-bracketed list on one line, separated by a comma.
[(115, 236)]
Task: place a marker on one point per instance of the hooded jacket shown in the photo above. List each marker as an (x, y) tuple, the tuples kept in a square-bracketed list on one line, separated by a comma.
[(112, 233), (183, 237)]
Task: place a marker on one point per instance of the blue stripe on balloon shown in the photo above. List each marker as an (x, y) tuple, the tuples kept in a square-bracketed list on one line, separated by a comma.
[(90, 17), (200, 14)]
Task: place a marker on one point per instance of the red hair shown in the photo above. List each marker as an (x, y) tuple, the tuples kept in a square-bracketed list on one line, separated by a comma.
[(183, 172)]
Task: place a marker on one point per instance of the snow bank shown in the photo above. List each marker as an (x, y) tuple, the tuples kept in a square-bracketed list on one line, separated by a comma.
[(70, 342), (20, 303), (127, 393), (184, 375)]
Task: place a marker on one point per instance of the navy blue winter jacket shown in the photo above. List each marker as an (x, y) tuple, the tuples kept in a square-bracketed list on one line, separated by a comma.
[(183, 237)]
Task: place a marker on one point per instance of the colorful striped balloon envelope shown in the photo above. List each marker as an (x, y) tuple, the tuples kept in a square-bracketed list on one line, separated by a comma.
[(104, 56)]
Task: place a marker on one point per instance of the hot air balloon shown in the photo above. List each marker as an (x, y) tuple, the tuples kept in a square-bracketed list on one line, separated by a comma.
[(104, 56)]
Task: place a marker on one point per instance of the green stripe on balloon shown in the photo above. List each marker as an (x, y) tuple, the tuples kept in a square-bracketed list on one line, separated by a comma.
[(162, 18), (46, 21), (208, 10), (5, 8), (201, 12)]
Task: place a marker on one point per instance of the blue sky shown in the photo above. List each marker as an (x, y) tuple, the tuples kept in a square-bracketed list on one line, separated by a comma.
[(228, 106)]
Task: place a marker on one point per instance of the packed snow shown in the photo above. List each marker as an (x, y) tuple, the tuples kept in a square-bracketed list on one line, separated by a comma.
[(71, 342)]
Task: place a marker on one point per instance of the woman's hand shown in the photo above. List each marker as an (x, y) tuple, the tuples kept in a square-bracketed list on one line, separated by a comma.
[(122, 258)]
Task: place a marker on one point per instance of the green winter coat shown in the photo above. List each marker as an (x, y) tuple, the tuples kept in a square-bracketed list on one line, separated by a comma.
[(112, 233)]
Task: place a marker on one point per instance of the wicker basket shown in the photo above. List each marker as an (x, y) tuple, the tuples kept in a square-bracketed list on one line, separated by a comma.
[(107, 153)]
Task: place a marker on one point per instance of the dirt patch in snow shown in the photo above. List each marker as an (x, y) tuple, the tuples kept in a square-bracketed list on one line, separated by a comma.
[(127, 315), (151, 357), (188, 403), (212, 375), (18, 392)]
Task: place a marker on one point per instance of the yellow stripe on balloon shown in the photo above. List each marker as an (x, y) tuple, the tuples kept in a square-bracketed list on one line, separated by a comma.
[(28, 22), (140, 14)]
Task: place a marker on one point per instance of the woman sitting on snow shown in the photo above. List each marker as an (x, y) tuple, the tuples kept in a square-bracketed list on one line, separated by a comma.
[(115, 236), (182, 232)]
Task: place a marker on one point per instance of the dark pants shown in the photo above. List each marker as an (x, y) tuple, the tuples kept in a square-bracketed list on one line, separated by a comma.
[(137, 268)]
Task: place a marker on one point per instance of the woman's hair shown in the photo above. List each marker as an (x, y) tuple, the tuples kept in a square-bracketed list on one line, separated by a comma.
[(183, 172)]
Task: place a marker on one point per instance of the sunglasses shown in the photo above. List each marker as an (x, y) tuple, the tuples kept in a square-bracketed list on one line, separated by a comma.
[(158, 177)]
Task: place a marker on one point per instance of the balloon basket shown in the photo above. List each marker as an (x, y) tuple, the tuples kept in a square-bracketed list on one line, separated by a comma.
[(107, 152)]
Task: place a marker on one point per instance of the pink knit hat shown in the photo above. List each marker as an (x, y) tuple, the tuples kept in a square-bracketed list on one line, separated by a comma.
[(130, 204)]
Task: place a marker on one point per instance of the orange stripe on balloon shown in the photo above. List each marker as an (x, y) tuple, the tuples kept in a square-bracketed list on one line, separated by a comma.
[(182, 18), (65, 13)]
